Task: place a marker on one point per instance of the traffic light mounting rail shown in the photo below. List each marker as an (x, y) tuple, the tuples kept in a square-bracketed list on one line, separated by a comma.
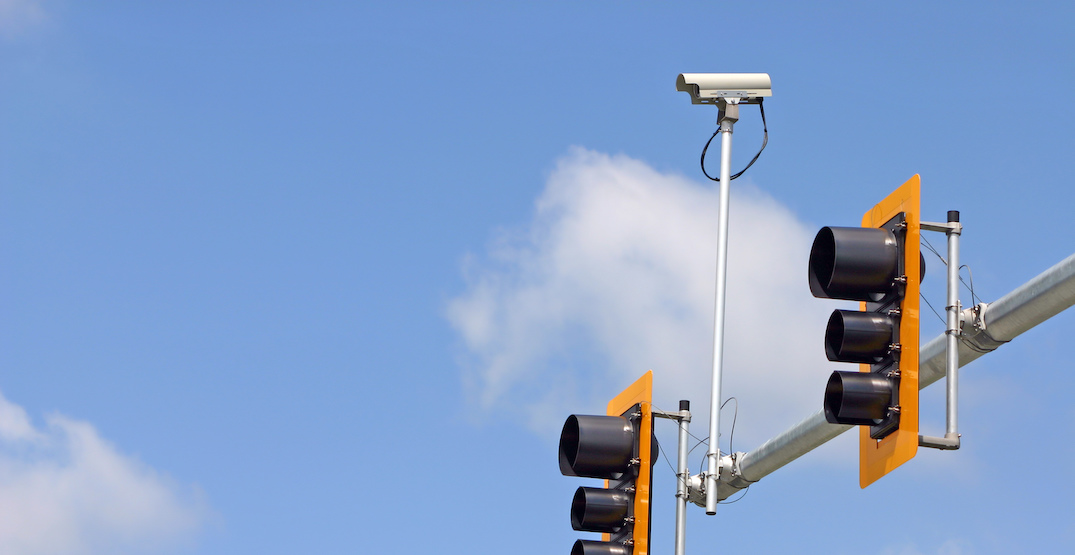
[(954, 325)]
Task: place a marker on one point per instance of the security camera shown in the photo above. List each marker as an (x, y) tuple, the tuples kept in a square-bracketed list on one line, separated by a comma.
[(709, 88)]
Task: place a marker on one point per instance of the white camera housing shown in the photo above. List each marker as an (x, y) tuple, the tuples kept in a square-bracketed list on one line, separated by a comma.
[(708, 88)]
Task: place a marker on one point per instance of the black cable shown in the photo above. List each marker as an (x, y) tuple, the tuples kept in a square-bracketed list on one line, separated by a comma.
[(939, 317), (933, 250), (731, 438), (969, 286), (764, 141), (702, 464), (665, 456), (744, 490), (973, 298), (735, 416)]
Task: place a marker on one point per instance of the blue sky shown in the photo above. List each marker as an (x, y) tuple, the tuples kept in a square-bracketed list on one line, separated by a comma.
[(290, 278)]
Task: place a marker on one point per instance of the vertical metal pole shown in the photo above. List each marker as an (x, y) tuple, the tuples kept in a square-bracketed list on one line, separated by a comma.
[(683, 474), (954, 310), (952, 332), (730, 114)]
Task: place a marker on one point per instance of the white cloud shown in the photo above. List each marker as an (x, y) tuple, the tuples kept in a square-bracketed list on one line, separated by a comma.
[(615, 275), (65, 490)]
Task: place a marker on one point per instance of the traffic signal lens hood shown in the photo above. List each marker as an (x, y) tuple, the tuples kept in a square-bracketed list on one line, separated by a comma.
[(857, 398), (590, 547), (853, 263), (600, 509), (863, 337), (596, 446)]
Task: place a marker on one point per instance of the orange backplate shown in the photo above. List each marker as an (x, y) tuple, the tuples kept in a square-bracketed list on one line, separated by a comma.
[(640, 393), (879, 457)]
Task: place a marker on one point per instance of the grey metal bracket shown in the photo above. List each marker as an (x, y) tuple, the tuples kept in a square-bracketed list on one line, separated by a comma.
[(679, 416), (949, 442), (727, 110)]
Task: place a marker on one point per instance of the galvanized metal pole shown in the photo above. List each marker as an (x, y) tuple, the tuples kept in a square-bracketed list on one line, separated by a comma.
[(682, 475), (952, 333), (953, 330), (683, 417), (986, 327), (729, 115)]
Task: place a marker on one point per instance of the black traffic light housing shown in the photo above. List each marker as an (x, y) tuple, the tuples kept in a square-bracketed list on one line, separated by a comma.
[(863, 264), (879, 265), (619, 448)]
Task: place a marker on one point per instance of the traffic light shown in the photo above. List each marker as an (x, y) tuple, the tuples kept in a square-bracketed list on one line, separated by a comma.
[(618, 447), (878, 264)]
